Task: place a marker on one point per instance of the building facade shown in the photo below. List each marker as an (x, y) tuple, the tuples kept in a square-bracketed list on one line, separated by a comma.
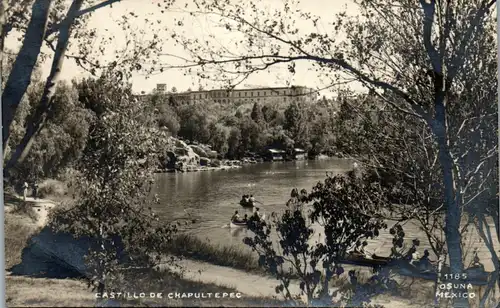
[(254, 95)]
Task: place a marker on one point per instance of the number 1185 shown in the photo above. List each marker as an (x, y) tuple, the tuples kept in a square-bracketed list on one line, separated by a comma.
[(455, 276)]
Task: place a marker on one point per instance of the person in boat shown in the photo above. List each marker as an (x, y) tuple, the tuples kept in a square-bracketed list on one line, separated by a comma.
[(235, 217), (245, 218), (294, 193), (409, 255), (256, 214), (357, 247), (246, 200), (395, 254), (415, 259), (252, 199)]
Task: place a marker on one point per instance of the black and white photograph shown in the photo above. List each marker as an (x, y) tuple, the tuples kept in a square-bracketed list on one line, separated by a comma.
[(250, 153)]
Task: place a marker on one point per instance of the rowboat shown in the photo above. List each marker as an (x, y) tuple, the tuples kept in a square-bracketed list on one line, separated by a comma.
[(243, 224), (237, 225), (363, 260), (248, 204)]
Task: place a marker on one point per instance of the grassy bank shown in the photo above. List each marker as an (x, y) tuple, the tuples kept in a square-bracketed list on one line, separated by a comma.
[(16, 236), (192, 247), (19, 226), (203, 250)]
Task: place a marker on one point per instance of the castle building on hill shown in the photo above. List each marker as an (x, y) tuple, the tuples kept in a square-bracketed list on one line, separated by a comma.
[(243, 96)]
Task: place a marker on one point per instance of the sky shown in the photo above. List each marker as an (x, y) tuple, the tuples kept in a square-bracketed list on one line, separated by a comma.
[(105, 21)]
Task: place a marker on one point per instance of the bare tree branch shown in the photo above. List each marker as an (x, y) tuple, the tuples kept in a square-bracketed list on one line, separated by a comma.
[(56, 27), (429, 8)]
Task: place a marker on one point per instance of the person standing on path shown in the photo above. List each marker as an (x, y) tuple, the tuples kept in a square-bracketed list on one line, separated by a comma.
[(25, 190), (35, 189)]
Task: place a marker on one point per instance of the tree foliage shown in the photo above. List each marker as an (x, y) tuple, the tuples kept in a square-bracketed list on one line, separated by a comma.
[(259, 127), (63, 139), (114, 191)]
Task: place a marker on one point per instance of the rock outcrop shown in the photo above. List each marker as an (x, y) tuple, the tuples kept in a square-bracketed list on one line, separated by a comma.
[(184, 155), (199, 150), (192, 157), (187, 157)]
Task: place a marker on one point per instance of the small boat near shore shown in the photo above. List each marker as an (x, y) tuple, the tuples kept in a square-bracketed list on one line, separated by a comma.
[(474, 276), (242, 224), (363, 260)]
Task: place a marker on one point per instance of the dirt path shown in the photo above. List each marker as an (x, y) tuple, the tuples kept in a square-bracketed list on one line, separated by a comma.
[(255, 285), (42, 209), (247, 283)]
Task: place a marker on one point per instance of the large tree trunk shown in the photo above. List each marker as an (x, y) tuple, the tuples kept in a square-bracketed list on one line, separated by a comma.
[(451, 198), (34, 126), (20, 76)]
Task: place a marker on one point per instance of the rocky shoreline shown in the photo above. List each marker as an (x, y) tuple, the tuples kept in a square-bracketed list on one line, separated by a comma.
[(183, 157), (197, 169), (219, 165)]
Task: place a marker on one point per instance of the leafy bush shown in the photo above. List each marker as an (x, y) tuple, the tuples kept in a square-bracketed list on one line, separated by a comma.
[(52, 188), (344, 206)]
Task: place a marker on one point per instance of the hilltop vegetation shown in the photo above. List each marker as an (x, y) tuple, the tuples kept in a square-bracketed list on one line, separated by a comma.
[(234, 130)]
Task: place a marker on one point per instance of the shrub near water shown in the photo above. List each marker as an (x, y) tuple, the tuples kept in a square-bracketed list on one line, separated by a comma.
[(340, 205)]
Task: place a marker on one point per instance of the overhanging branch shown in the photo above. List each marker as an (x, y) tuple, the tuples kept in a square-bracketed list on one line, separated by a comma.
[(459, 57)]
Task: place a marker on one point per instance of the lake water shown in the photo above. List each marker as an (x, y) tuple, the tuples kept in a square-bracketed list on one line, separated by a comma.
[(211, 197)]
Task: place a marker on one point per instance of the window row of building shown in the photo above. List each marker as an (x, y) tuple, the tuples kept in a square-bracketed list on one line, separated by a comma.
[(239, 93), (251, 100)]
